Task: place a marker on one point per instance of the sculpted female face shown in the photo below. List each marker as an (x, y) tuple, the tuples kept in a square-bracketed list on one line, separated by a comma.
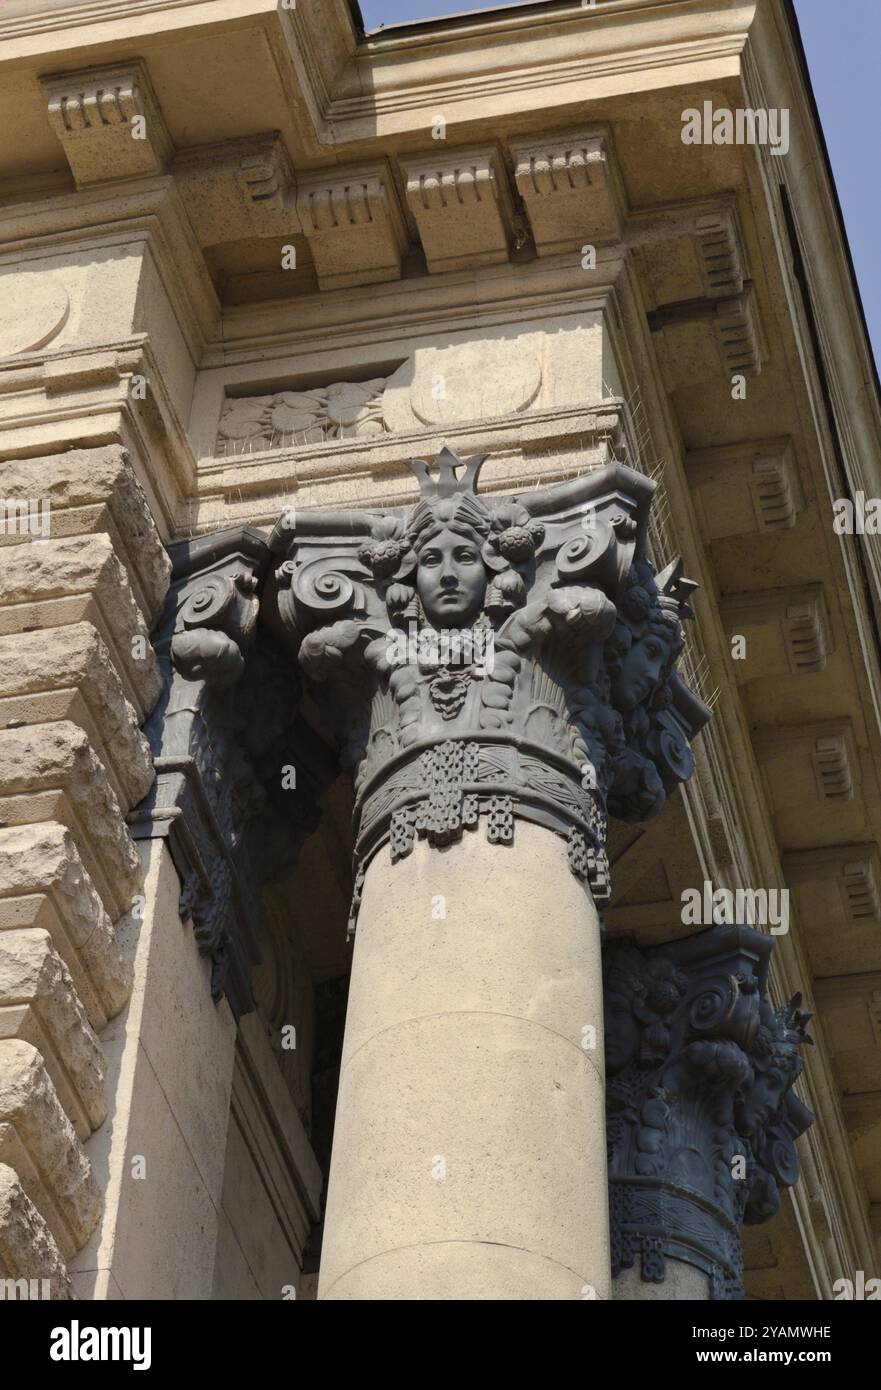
[(451, 580), (641, 671)]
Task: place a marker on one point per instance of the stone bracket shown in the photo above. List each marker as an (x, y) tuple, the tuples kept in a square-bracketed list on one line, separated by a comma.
[(109, 122), (792, 632), (805, 760), (854, 870), (730, 325), (745, 488), (461, 202), (570, 189), (238, 189), (353, 223)]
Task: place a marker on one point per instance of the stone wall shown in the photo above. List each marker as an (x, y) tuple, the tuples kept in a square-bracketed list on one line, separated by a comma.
[(78, 678)]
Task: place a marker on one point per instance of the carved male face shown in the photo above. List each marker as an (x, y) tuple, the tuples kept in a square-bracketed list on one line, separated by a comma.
[(450, 579), (641, 671)]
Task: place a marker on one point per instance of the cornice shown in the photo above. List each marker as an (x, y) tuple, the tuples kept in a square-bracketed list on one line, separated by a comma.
[(343, 92), (508, 293), (39, 30), (845, 353), (118, 215)]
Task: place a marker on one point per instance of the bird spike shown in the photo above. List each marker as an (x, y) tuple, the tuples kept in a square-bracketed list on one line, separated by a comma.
[(447, 483)]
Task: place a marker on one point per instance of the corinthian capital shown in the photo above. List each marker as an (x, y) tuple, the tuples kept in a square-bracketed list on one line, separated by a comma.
[(702, 1118), (493, 659)]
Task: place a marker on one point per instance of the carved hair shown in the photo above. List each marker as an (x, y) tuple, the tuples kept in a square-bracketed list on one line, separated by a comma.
[(780, 1038), (462, 512)]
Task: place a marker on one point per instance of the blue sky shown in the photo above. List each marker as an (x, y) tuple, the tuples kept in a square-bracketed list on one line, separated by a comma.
[(842, 39)]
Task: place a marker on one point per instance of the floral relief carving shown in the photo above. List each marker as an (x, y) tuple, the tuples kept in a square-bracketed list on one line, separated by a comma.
[(343, 410)]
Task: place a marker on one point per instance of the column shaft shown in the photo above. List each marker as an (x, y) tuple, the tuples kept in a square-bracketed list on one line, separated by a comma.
[(469, 1150)]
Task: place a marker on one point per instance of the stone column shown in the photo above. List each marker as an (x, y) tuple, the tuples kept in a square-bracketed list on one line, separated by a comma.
[(505, 668), (469, 1154)]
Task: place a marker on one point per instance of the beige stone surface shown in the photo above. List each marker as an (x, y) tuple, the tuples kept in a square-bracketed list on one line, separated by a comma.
[(568, 184), (27, 1248), (43, 884), (187, 1038), (460, 378), (158, 1232), (96, 490), (257, 1230), (264, 1089), (49, 583), (271, 1178), (461, 202), (463, 1271), (469, 1113), (33, 311), (683, 1282), (49, 772), (92, 113), (38, 1141), (38, 1004), (354, 224), (69, 675), (232, 1275), (170, 1060)]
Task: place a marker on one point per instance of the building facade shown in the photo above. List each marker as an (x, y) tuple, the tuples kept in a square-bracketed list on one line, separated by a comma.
[(439, 705)]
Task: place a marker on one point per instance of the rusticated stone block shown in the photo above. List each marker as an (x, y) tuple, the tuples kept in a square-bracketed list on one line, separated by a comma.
[(96, 490), (27, 1248), (43, 884), (49, 772), (50, 584), (39, 1005), (39, 1142), (78, 682)]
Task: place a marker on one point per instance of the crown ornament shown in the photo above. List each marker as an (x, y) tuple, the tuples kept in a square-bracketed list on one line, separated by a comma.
[(674, 591), (447, 483)]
